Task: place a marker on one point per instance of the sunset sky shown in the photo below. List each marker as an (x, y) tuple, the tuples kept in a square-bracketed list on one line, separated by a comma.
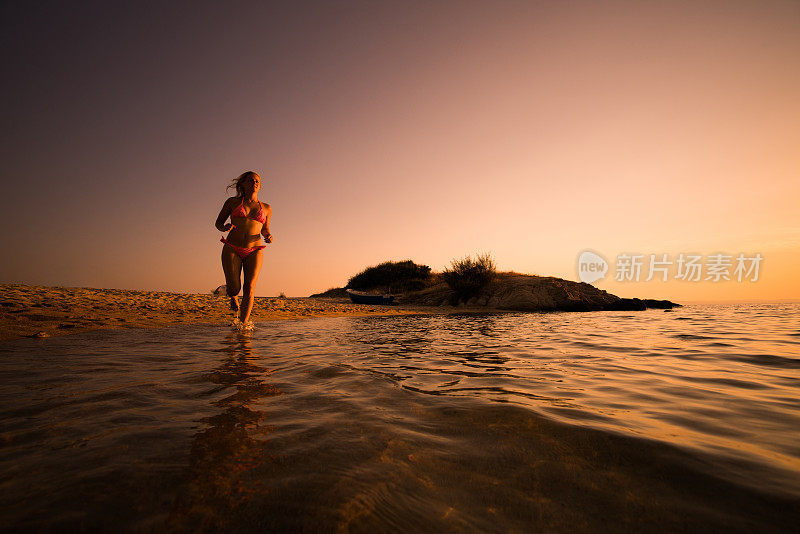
[(400, 130)]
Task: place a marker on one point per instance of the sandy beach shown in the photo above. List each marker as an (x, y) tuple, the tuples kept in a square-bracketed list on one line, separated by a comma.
[(39, 311)]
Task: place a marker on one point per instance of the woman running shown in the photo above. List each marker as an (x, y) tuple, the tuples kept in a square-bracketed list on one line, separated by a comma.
[(242, 250)]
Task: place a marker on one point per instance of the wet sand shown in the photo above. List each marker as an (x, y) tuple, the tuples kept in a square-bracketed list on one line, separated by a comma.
[(39, 311)]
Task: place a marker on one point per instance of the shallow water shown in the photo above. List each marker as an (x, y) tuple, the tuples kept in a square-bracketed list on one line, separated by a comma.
[(607, 421)]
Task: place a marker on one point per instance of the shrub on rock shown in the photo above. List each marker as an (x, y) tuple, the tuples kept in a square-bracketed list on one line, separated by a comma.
[(468, 276), (396, 275)]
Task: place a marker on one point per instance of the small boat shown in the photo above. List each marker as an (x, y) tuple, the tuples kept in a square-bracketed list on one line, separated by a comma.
[(359, 297)]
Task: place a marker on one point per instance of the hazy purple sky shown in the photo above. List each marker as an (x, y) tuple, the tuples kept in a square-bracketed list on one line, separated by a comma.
[(394, 130)]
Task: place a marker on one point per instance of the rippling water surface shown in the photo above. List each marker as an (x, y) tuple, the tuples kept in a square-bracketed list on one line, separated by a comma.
[(608, 421)]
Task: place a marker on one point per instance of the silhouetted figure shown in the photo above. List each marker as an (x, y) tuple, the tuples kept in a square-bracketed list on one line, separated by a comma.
[(242, 251)]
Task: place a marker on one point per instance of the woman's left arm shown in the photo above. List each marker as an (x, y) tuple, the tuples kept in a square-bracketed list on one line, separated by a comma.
[(265, 228)]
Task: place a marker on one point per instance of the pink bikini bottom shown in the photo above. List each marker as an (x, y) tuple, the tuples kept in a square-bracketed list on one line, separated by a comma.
[(243, 252)]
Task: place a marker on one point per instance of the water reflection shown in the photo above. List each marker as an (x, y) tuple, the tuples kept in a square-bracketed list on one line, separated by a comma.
[(571, 422), (228, 458), (412, 335)]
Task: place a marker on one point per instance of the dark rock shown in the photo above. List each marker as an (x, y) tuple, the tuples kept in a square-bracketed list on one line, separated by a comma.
[(335, 292), (660, 304), (626, 305), (521, 292)]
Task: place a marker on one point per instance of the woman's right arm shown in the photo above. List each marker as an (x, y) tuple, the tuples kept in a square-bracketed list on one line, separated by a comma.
[(224, 213)]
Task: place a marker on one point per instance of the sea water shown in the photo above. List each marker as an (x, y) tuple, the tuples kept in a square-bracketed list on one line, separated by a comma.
[(604, 421)]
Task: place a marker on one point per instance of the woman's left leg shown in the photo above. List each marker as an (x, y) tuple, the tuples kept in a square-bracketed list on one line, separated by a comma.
[(251, 266)]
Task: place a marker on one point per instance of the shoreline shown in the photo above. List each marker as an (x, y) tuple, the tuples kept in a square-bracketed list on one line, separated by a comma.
[(28, 311), (44, 311)]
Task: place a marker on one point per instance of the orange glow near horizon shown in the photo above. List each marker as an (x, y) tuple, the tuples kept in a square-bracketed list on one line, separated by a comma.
[(532, 132)]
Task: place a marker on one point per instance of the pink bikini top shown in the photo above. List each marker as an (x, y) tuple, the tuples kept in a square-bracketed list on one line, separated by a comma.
[(240, 212)]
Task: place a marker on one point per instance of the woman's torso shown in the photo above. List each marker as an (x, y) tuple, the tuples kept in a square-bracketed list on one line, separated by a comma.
[(247, 229)]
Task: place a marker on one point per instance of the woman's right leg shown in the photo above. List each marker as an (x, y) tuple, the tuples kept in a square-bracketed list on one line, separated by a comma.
[(232, 267)]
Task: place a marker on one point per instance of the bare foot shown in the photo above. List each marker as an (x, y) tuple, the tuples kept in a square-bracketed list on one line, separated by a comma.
[(234, 304)]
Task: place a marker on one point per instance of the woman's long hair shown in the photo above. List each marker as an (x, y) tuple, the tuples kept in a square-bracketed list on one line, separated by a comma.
[(237, 182)]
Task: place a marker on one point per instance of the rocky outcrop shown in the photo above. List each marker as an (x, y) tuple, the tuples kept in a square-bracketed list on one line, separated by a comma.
[(332, 293), (640, 304), (521, 292)]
